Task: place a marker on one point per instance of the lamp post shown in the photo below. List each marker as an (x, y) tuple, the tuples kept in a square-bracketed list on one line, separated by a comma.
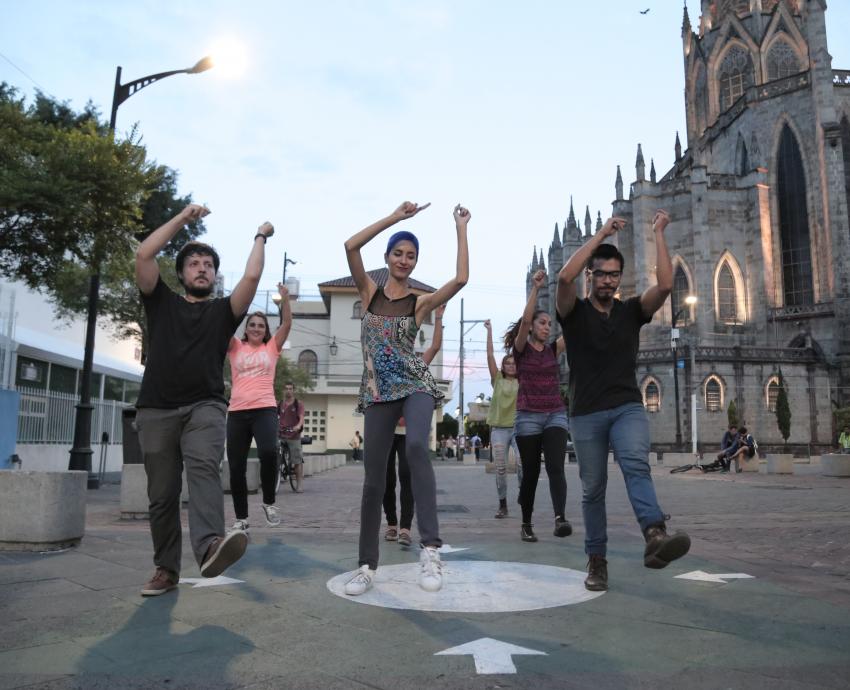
[(286, 261), (690, 300), (81, 453), (461, 429)]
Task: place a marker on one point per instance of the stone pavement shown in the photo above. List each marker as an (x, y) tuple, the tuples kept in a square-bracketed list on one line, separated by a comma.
[(75, 619)]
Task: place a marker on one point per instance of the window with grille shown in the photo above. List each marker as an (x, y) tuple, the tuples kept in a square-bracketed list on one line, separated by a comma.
[(652, 397), (734, 76), (357, 310), (796, 252), (782, 61), (314, 424), (308, 361), (681, 289), (713, 395), (727, 296), (772, 393)]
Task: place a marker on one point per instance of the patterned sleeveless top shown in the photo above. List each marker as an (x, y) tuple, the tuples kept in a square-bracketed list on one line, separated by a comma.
[(392, 369)]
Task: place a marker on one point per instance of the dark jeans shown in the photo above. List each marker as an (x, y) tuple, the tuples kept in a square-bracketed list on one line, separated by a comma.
[(380, 423), (546, 433), (407, 502), (242, 426), (192, 435)]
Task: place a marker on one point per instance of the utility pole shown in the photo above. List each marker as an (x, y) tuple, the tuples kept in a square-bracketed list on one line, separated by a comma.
[(461, 430), (286, 260)]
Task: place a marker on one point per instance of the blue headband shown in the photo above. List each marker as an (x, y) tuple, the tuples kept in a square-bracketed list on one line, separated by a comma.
[(399, 237)]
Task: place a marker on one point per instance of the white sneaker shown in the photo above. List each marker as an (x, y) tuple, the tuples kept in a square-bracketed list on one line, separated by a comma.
[(240, 525), (430, 570), (272, 515), (361, 581)]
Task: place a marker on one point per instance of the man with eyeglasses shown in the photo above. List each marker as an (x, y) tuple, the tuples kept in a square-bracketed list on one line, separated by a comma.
[(602, 335)]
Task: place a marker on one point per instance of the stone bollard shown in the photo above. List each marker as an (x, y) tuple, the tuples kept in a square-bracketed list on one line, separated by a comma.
[(653, 458), (134, 492), (780, 463), (835, 465), (308, 466), (611, 460), (42, 511)]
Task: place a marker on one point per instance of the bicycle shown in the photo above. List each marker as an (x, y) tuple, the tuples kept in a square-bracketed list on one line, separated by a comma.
[(286, 471)]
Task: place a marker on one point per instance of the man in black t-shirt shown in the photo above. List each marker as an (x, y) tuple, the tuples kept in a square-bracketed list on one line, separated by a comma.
[(602, 335), (181, 407)]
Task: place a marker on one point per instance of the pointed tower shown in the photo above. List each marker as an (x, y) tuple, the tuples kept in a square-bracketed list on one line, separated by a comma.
[(640, 166), (618, 185), (588, 223), (652, 176), (678, 145), (556, 240), (598, 221), (572, 230)]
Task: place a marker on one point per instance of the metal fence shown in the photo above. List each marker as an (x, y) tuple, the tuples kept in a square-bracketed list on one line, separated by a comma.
[(48, 417)]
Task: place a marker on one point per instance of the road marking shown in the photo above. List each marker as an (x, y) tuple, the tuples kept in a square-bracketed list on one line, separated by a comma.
[(473, 587), (702, 576), (209, 581), (491, 656), (448, 548)]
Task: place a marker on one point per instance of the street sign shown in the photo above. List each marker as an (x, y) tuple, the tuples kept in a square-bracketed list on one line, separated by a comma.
[(680, 363)]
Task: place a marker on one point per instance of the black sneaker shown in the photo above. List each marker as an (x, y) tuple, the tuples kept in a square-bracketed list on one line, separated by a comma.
[(661, 549), (526, 532), (563, 528), (597, 574)]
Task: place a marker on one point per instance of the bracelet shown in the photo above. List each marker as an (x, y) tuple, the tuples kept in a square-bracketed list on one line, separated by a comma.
[(259, 234)]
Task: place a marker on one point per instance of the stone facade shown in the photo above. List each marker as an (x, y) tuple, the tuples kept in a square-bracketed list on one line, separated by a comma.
[(759, 231)]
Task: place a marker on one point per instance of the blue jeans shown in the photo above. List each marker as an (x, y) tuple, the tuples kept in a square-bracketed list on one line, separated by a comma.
[(501, 438), (626, 430)]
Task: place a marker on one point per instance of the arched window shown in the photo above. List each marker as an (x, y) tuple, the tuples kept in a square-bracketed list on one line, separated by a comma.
[(357, 310), (793, 223), (782, 61), (734, 76), (681, 289), (308, 361), (771, 393), (845, 145), (727, 296), (651, 395), (713, 394)]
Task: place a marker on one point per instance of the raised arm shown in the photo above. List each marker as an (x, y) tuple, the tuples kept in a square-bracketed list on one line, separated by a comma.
[(246, 288), (282, 332), (437, 340), (147, 270), (565, 293), (365, 285), (653, 297), (528, 313), (427, 303), (491, 358)]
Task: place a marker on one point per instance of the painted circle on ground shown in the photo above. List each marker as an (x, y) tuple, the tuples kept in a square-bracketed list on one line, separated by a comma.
[(473, 587)]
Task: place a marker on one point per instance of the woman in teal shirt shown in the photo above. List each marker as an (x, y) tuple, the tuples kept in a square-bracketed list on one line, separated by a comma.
[(500, 418)]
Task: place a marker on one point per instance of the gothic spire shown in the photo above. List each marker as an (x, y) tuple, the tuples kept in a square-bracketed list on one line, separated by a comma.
[(587, 222), (640, 165), (598, 221), (534, 259), (571, 220), (556, 241), (678, 146), (652, 176), (686, 21), (618, 185)]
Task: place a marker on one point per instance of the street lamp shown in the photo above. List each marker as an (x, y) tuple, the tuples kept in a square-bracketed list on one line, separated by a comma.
[(690, 300), (81, 453), (287, 261), (333, 347)]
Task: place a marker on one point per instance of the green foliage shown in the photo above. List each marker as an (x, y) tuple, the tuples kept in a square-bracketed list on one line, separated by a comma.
[(447, 427), (74, 202), (783, 410), (732, 413)]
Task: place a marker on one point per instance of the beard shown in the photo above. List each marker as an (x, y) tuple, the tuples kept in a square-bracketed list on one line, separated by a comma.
[(198, 291)]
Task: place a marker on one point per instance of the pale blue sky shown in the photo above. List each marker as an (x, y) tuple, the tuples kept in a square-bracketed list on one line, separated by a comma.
[(348, 108)]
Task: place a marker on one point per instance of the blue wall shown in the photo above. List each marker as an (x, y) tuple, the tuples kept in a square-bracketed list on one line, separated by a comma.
[(8, 425)]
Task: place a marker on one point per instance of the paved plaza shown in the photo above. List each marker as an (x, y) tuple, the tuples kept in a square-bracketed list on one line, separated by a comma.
[(75, 619)]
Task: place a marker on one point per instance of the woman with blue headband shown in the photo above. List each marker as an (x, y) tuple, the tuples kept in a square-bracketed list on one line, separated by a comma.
[(396, 382)]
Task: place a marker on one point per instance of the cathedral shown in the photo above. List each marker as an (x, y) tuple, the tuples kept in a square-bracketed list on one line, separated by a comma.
[(759, 234)]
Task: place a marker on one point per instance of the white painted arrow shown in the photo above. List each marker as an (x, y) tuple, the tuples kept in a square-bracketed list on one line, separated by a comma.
[(209, 581), (701, 576), (448, 548), (491, 656)]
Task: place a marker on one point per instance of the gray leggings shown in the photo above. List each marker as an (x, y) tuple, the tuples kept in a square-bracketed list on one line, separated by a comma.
[(380, 423)]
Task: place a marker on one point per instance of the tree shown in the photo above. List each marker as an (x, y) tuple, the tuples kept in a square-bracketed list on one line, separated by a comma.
[(447, 427), (783, 410), (732, 413), (73, 201)]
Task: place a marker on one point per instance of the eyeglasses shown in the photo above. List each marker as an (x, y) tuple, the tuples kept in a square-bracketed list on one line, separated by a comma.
[(599, 275)]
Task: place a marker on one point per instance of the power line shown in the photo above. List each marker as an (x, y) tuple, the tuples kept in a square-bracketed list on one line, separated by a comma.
[(41, 88)]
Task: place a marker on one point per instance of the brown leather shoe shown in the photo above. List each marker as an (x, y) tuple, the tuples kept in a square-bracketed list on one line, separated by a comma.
[(661, 548), (224, 552), (162, 581), (597, 574)]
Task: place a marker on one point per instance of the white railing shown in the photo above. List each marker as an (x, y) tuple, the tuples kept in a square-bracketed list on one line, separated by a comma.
[(48, 417)]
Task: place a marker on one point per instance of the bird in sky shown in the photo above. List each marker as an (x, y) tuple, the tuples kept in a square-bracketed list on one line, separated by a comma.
[(646, 11)]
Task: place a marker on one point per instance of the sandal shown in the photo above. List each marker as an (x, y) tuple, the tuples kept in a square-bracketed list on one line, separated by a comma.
[(391, 534)]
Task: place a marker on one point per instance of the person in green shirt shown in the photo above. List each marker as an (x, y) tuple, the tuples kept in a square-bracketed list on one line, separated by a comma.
[(844, 439), (501, 419)]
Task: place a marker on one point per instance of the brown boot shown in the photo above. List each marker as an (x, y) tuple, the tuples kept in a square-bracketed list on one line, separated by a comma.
[(597, 574), (661, 549), (162, 581)]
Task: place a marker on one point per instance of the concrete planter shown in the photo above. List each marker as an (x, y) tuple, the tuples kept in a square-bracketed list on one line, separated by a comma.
[(780, 463), (41, 511), (837, 465), (749, 464), (134, 493)]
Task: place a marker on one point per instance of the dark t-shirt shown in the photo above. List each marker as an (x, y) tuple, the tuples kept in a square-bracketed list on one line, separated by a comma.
[(602, 354), (187, 346)]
